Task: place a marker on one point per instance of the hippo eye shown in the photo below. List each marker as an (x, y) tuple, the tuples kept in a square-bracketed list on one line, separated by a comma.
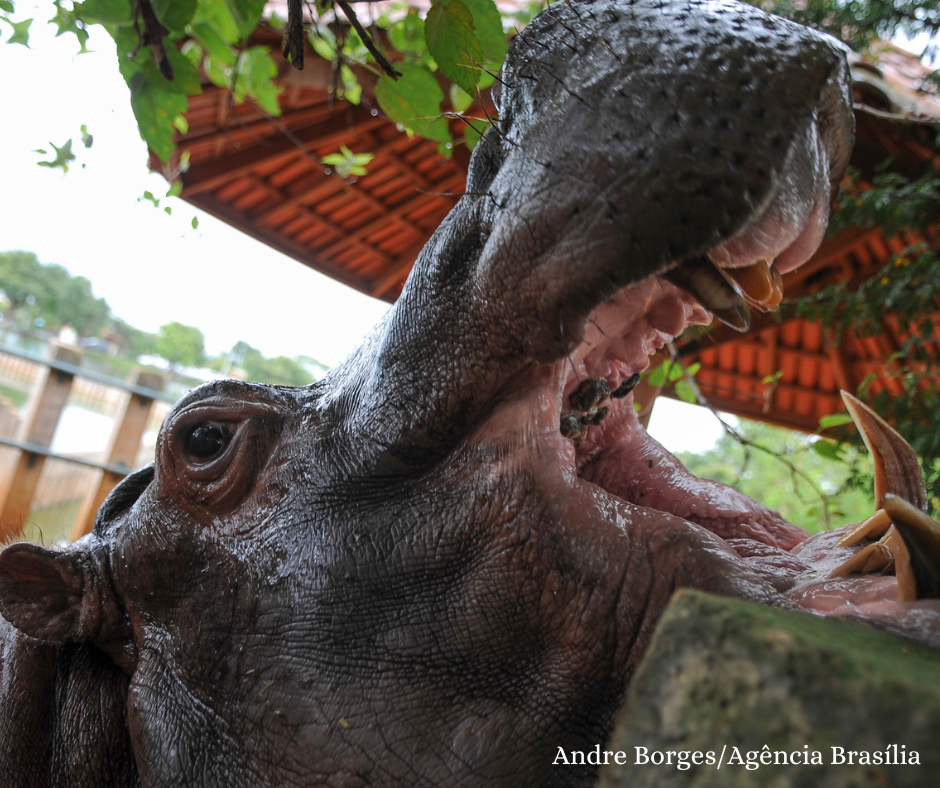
[(207, 441)]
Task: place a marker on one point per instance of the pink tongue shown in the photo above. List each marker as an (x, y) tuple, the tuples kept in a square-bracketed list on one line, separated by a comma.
[(633, 466)]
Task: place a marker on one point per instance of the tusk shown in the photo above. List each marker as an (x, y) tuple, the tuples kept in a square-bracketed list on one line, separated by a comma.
[(871, 558), (776, 284), (755, 281), (920, 534), (897, 470), (872, 528)]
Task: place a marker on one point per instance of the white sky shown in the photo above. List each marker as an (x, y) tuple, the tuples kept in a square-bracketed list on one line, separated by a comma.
[(153, 268)]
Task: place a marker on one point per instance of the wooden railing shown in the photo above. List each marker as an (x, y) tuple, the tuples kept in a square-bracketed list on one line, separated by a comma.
[(56, 381)]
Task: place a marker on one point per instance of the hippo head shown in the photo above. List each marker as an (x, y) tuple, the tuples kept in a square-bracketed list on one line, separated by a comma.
[(443, 561)]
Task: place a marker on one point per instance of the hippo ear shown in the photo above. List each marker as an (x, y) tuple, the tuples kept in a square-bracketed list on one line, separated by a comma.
[(43, 593)]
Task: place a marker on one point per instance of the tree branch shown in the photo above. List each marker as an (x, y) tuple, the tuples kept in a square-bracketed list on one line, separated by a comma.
[(367, 40)]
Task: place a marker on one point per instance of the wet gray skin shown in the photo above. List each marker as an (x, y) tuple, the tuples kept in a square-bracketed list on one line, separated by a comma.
[(405, 574)]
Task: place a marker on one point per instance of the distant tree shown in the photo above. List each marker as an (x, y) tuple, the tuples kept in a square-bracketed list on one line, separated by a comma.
[(20, 273), (280, 370), (807, 488), (65, 299), (135, 342), (33, 290), (181, 345)]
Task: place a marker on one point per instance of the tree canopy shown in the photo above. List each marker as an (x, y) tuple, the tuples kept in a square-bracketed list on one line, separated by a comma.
[(50, 294)]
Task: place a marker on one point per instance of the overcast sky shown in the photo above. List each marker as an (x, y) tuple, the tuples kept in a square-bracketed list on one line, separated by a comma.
[(153, 268)]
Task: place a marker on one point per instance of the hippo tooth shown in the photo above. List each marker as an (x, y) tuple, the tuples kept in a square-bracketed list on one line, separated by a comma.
[(871, 558), (898, 478), (707, 283), (754, 280), (872, 528), (920, 534), (776, 288), (897, 470)]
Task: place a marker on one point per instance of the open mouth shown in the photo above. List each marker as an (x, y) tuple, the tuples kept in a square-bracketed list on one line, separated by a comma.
[(743, 272), (610, 449)]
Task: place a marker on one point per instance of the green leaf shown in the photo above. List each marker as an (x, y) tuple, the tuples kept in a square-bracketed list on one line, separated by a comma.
[(460, 100), (247, 15), (323, 41), (323, 48), (685, 392), (414, 101), (185, 75), (195, 222), (175, 189), (107, 12), (218, 73), (6, 5), (213, 43), (692, 369), (168, 210), (488, 25), (407, 34), (193, 52), (657, 377), (829, 450), (62, 158), (348, 163), (156, 108), (675, 371), (20, 33), (352, 90), (87, 139), (256, 73), (174, 14), (834, 420), (218, 15), (449, 32)]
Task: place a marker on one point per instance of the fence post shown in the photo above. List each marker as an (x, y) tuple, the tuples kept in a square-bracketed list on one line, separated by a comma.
[(46, 403), (123, 446)]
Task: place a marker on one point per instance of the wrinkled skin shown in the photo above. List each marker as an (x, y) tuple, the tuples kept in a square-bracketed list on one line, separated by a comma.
[(405, 574)]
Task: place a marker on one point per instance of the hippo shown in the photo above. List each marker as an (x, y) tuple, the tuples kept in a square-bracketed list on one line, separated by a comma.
[(445, 559)]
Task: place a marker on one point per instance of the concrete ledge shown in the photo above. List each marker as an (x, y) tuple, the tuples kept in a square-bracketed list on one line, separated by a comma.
[(723, 674)]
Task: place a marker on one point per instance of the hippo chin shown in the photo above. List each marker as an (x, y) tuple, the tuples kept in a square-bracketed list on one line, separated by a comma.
[(444, 561)]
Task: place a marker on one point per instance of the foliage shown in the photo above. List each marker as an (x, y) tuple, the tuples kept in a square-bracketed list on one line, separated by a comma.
[(348, 163), (906, 289), (163, 45), (135, 342), (671, 373), (281, 370), (816, 495), (860, 22), (181, 345), (48, 296)]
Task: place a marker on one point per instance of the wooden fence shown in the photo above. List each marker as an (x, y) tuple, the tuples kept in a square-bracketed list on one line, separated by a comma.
[(33, 477)]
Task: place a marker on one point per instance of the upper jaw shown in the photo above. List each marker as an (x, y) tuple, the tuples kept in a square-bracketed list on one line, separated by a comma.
[(745, 270)]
